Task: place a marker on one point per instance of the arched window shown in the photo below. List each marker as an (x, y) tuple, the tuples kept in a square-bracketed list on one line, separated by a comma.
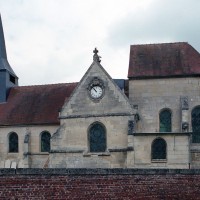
[(165, 121), (196, 125), (158, 149), (97, 138), (13, 143), (45, 141)]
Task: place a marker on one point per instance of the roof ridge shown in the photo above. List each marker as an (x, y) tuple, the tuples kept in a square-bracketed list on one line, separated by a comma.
[(163, 60), (163, 43), (53, 84)]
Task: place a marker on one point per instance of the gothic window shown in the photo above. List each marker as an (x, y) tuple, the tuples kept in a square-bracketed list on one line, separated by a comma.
[(158, 149), (13, 143), (165, 121), (196, 125), (97, 138), (45, 141)]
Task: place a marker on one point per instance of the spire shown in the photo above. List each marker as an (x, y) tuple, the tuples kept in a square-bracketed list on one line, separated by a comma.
[(2, 42), (96, 57), (8, 78), (4, 65)]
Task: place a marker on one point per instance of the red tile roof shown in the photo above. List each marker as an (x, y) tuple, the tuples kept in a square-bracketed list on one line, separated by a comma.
[(163, 60), (35, 104)]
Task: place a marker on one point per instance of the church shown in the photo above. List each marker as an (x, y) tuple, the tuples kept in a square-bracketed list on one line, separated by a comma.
[(149, 120)]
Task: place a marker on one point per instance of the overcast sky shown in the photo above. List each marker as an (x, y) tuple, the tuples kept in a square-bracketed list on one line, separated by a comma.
[(51, 41)]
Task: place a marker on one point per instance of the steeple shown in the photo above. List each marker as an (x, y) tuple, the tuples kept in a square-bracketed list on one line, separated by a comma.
[(2, 42), (4, 65), (8, 77)]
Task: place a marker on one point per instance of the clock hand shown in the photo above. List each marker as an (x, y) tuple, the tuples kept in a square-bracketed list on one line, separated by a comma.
[(94, 89)]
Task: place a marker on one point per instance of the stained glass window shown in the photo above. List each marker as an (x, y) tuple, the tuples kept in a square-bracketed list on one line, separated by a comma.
[(196, 125), (97, 138), (45, 142), (165, 121), (159, 149), (13, 142)]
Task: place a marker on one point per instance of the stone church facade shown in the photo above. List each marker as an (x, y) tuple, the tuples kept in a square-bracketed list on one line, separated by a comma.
[(150, 120)]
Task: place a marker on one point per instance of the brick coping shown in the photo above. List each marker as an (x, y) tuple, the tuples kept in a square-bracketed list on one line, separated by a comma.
[(97, 171)]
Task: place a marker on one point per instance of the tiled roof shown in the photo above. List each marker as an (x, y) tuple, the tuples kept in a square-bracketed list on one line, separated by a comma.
[(35, 104), (163, 60)]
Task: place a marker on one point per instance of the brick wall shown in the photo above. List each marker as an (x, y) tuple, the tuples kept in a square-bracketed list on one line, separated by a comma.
[(99, 184)]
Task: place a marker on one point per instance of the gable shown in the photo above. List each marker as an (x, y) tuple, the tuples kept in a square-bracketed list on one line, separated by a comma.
[(113, 101)]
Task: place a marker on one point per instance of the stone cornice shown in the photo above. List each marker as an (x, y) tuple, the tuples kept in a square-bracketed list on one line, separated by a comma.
[(96, 115), (160, 134)]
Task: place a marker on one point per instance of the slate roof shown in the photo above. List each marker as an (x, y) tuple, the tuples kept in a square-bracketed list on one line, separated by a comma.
[(2, 42), (35, 104), (4, 64), (163, 60)]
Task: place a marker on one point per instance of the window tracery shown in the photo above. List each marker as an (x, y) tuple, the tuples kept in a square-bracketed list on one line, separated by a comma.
[(97, 138), (165, 121)]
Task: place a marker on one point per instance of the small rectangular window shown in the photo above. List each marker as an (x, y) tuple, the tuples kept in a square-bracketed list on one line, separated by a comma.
[(12, 79)]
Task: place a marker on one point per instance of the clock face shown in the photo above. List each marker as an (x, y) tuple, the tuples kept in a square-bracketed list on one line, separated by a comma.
[(96, 92)]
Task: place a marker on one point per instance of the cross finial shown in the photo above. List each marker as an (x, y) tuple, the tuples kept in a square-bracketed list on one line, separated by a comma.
[(95, 51), (96, 57)]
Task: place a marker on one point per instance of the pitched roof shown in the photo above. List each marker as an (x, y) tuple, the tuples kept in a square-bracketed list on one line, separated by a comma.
[(163, 60), (35, 104)]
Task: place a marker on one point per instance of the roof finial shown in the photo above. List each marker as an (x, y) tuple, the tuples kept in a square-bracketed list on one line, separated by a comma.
[(96, 57)]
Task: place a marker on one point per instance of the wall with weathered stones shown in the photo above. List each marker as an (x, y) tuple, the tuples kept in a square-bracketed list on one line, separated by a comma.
[(70, 148), (100, 184), (70, 144), (36, 158), (178, 155), (153, 95)]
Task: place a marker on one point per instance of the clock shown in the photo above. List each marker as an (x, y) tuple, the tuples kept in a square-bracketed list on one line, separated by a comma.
[(96, 92), (96, 89)]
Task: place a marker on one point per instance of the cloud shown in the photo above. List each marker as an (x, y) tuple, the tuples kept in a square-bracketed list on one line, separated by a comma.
[(161, 21), (51, 41)]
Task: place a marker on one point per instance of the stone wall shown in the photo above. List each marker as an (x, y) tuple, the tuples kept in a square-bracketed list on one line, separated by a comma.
[(36, 158), (178, 155), (70, 148), (153, 95), (71, 145), (100, 184)]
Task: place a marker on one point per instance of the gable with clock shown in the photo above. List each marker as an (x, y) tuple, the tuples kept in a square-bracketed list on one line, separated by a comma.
[(94, 123)]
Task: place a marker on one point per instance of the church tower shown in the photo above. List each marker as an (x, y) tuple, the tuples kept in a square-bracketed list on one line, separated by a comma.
[(8, 77)]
